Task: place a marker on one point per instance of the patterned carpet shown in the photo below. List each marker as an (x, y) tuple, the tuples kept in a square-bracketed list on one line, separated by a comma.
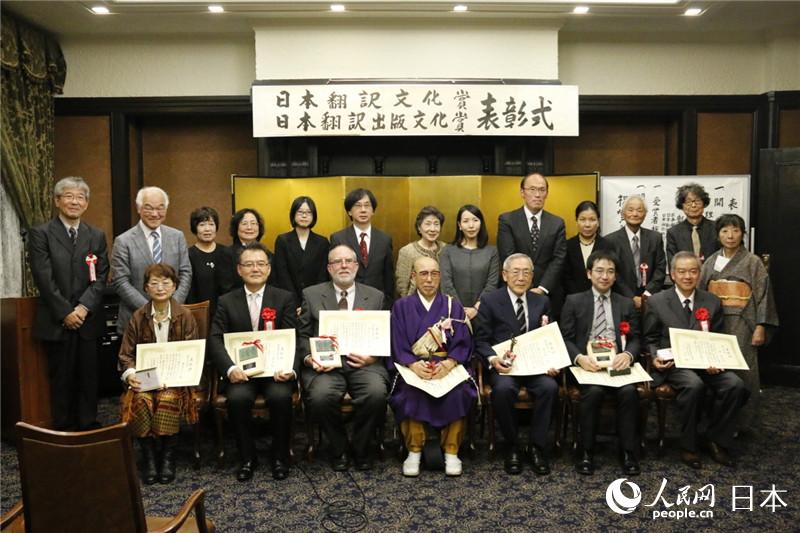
[(314, 498)]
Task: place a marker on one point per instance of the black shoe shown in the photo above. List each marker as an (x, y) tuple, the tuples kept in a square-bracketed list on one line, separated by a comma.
[(630, 465), (585, 465), (339, 463), (691, 459), (539, 461), (280, 469), (246, 470), (719, 454), (363, 463), (513, 464), (167, 471), (149, 472)]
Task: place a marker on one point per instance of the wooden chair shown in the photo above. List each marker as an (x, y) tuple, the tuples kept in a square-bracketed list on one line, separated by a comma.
[(525, 402), (87, 481), (201, 395)]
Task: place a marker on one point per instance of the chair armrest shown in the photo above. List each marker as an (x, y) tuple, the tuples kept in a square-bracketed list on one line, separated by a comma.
[(478, 365), (197, 502), (214, 379), (13, 514)]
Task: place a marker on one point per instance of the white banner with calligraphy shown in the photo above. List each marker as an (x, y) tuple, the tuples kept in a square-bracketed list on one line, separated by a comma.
[(414, 109)]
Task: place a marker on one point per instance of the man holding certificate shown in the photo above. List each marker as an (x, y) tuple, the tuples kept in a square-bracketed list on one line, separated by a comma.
[(363, 376), (255, 307), (598, 317), (505, 314), (688, 307), (430, 337)]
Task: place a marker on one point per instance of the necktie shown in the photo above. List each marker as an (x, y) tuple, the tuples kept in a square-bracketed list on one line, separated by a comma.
[(343, 301), (534, 234), (695, 241), (523, 324), (600, 323), (156, 247), (253, 305), (636, 258), (363, 249), (687, 307), (73, 235)]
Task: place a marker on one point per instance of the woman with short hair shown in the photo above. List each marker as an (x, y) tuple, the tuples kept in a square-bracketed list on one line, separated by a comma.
[(428, 224)]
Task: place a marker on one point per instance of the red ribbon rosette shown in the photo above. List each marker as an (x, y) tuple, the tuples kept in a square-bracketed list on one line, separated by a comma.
[(91, 260), (643, 268), (703, 316), (624, 329), (268, 315)]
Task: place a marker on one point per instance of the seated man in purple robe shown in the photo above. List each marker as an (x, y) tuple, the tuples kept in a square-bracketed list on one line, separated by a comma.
[(431, 338)]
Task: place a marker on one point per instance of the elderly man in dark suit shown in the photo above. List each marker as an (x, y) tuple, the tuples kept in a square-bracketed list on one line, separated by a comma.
[(242, 309), (536, 233), (696, 233), (69, 264), (597, 314), (149, 241), (642, 267), (505, 313), (372, 246), (679, 308), (365, 377)]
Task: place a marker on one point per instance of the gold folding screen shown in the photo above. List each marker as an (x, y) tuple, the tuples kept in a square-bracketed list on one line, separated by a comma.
[(400, 198)]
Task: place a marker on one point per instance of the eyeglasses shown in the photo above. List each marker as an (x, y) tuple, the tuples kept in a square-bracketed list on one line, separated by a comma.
[(432, 274), (254, 264), (70, 197), (166, 284), (696, 201), (342, 262), (531, 190), (520, 272), (147, 208), (304, 213), (604, 271)]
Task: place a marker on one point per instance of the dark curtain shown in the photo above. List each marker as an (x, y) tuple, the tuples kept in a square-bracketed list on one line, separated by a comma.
[(33, 70)]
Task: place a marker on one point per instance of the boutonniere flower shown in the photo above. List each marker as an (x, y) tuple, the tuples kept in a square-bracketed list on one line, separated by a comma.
[(268, 315), (624, 329), (703, 316), (358, 309)]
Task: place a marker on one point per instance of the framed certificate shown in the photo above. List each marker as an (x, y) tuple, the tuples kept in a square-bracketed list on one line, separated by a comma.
[(325, 352), (358, 332), (177, 363), (262, 353), (603, 350)]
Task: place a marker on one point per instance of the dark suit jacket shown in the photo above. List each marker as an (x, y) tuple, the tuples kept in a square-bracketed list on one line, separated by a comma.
[(679, 238), (651, 252), (294, 269), (497, 319), (380, 272), (577, 318), (62, 277), (233, 315), (665, 310), (574, 275), (513, 236)]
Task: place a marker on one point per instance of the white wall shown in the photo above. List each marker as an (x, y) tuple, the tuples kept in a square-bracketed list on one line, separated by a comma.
[(783, 64), (406, 48), (216, 65)]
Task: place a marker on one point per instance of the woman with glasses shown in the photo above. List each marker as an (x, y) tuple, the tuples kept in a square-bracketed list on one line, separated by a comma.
[(247, 225), (212, 265), (301, 255), (470, 266), (696, 233), (155, 416), (579, 247), (429, 226)]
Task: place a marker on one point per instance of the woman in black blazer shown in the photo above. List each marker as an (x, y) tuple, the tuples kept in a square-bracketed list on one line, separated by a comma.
[(579, 247), (301, 256)]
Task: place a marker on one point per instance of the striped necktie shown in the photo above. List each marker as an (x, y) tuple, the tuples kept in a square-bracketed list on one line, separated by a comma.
[(156, 247), (523, 324), (600, 322)]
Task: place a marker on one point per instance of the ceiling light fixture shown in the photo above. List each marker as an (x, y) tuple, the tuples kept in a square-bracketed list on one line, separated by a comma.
[(216, 9), (338, 8), (100, 10), (460, 8), (692, 12), (580, 10)]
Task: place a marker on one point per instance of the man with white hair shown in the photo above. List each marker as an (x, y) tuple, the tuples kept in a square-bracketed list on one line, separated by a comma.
[(149, 241), (69, 264)]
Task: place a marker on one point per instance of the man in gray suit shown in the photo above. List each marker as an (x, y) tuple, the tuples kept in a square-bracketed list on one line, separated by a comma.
[(69, 264), (683, 307), (147, 242), (536, 233), (363, 376)]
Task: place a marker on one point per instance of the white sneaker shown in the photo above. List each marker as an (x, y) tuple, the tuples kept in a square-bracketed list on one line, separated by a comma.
[(411, 464), (452, 464)]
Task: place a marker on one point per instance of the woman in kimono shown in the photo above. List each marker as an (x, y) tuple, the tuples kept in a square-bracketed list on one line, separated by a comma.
[(430, 337), (741, 281)]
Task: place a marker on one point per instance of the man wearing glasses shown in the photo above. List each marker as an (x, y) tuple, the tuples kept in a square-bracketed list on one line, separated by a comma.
[(148, 242), (536, 233), (363, 376), (505, 313), (696, 233), (255, 307)]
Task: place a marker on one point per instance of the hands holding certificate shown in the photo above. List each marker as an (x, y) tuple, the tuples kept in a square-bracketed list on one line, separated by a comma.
[(433, 369), (621, 361)]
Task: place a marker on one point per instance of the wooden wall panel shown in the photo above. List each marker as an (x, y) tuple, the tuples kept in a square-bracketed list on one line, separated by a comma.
[(614, 148), (192, 158), (83, 148), (789, 133), (724, 143)]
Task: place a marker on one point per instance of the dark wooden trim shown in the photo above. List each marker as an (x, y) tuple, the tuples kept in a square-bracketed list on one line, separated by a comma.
[(157, 105), (120, 173), (779, 101), (670, 105), (687, 140)]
